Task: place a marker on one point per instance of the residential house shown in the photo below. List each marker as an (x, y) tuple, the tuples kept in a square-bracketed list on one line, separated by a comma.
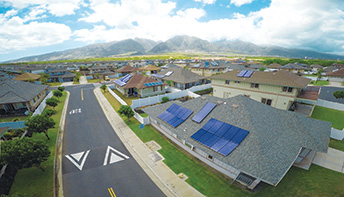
[(150, 69), (139, 85), (208, 69), (60, 75), (98, 69), (274, 67), (27, 76), (180, 78), (18, 96), (242, 138), (315, 68), (295, 68), (126, 70), (336, 76), (277, 89)]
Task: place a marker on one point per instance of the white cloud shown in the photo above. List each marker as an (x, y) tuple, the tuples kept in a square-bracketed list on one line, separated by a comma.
[(239, 3), (16, 35), (206, 1), (57, 8)]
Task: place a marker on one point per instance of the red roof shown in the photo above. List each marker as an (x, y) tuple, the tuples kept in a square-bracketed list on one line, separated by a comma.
[(138, 81), (338, 73)]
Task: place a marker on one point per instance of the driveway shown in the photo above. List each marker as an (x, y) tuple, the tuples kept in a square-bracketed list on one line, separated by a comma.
[(333, 159)]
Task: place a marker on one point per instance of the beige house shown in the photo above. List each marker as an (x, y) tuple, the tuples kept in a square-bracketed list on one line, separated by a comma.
[(139, 85), (277, 89), (336, 76), (16, 97)]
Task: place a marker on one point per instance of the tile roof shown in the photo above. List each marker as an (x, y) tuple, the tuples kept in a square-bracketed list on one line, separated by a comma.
[(149, 67), (181, 75), (275, 139), (27, 76), (12, 91), (280, 78), (338, 73), (126, 68)]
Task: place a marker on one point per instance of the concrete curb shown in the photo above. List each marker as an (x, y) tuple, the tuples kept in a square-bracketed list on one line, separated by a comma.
[(58, 187), (143, 164)]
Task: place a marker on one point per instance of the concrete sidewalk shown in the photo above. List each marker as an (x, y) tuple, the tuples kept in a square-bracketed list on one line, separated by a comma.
[(83, 80), (333, 160), (149, 160)]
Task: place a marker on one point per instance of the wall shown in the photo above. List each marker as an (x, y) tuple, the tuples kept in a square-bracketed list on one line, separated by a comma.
[(41, 107), (329, 104), (174, 95), (336, 79), (149, 91), (280, 99)]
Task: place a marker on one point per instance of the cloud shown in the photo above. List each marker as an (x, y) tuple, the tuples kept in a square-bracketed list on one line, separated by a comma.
[(57, 8), (206, 1), (239, 3), (16, 35)]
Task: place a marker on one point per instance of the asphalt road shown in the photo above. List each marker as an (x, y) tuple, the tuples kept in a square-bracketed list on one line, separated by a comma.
[(95, 162)]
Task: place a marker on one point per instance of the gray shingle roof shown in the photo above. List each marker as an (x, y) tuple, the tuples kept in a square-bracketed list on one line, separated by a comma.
[(12, 91), (273, 143), (181, 75)]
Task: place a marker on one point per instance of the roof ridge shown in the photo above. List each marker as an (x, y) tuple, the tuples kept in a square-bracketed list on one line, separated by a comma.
[(13, 93)]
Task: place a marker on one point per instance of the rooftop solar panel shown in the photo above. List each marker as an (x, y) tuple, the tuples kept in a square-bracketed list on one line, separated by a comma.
[(219, 136), (169, 73), (177, 115), (248, 73), (206, 109), (158, 76), (119, 82), (242, 73)]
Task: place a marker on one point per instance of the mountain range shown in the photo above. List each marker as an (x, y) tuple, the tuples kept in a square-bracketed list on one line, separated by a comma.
[(183, 44)]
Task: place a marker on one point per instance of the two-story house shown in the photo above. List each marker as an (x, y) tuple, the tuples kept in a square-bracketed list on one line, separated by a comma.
[(277, 89)]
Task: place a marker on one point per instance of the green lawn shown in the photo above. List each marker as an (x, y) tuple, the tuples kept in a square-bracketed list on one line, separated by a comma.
[(11, 118), (317, 181), (319, 83), (33, 181), (128, 100), (54, 83), (76, 82), (94, 80), (336, 117)]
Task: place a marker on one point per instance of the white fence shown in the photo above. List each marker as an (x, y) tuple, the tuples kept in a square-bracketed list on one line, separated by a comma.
[(329, 104), (142, 120), (337, 134), (174, 95), (41, 106)]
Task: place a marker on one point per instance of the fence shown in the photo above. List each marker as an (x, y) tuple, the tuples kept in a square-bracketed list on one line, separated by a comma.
[(200, 87), (142, 120), (41, 106), (337, 134), (329, 104)]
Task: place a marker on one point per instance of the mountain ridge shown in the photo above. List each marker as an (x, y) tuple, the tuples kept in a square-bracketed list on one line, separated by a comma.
[(182, 43)]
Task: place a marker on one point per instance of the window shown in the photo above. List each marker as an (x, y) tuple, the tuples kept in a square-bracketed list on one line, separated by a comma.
[(287, 89), (210, 157), (246, 95), (236, 81), (254, 85), (266, 101), (155, 88), (227, 82)]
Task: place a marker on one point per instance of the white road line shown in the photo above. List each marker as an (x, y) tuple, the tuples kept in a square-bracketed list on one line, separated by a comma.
[(82, 162), (106, 159)]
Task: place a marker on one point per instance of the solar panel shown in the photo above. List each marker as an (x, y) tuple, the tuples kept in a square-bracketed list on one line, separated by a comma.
[(206, 64), (168, 73), (242, 73), (248, 73), (119, 82), (159, 76), (206, 109), (176, 115), (219, 136), (126, 78)]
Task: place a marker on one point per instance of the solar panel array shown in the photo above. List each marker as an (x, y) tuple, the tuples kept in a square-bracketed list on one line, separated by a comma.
[(169, 73), (214, 63), (123, 81), (153, 84), (175, 115), (219, 136), (119, 82), (206, 109), (245, 73), (159, 76)]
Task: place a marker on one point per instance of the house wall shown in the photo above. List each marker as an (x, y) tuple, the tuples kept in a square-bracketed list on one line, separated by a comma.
[(37, 100), (207, 71), (336, 79), (149, 91), (280, 99)]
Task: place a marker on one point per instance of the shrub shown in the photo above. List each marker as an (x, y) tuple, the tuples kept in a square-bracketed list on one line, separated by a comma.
[(61, 88), (49, 112), (165, 99)]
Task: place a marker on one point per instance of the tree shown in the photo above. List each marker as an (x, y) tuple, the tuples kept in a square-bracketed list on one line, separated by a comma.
[(52, 102), (127, 111), (262, 68), (103, 87), (320, 71), (44, 80), (165, 99), (49, 112), (61, 88), (57, 93), (25, 152), (338, 94), (31, 80), (39, 124), (169, 82)]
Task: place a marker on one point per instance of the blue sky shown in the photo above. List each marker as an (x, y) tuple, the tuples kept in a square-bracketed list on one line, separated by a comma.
[(32, 27)]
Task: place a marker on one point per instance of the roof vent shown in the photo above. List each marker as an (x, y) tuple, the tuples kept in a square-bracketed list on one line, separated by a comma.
[(219, 102), (235, 105)]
